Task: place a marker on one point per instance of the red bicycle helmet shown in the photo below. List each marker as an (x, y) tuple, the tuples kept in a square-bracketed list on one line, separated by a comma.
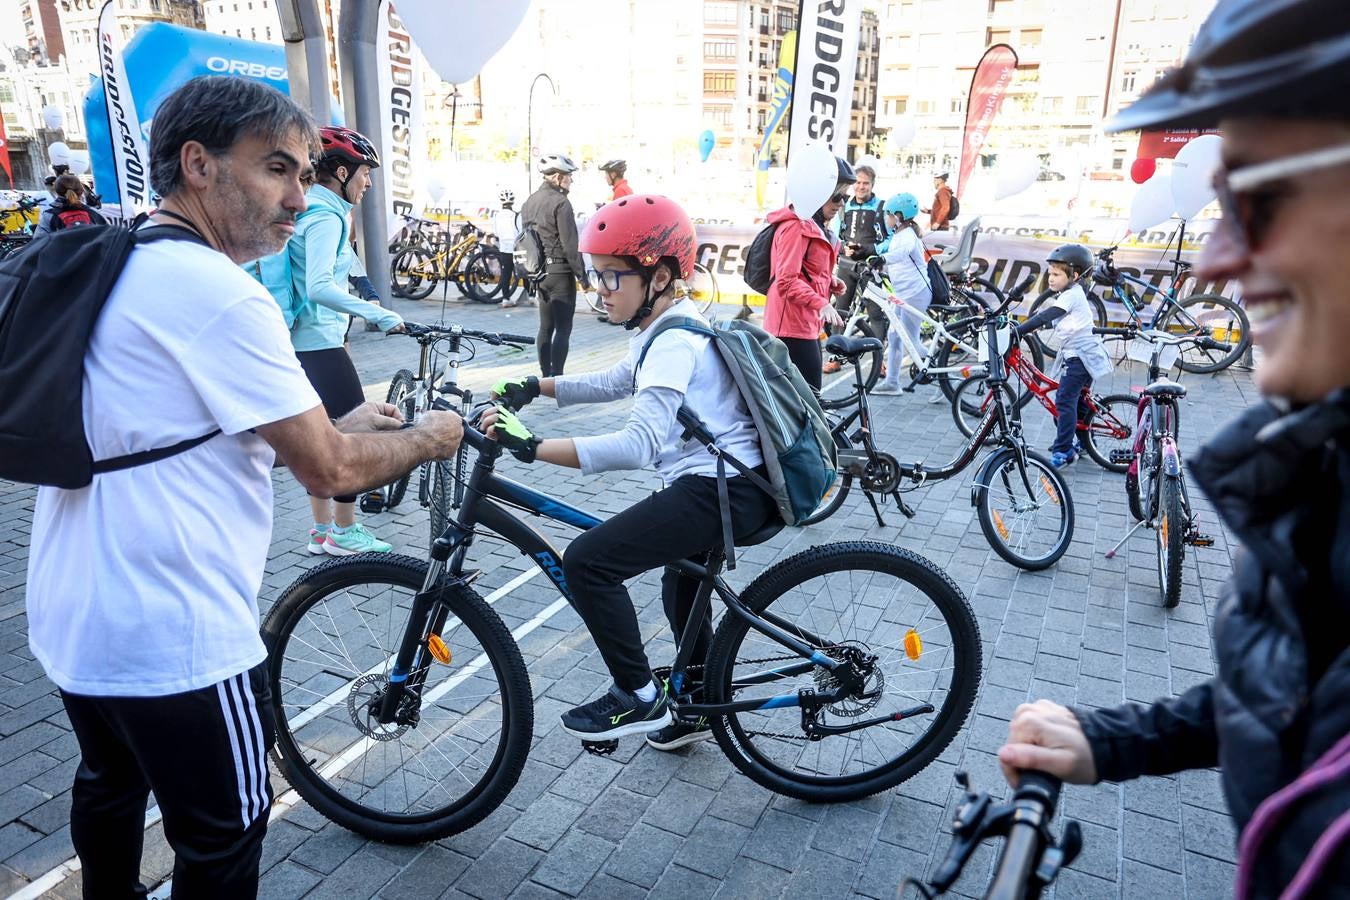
[(644, 226), (345, 147)]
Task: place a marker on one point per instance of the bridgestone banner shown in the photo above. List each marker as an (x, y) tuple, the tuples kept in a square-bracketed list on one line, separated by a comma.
[(131, 161), (827, 59), (987, 87), (401, 136)]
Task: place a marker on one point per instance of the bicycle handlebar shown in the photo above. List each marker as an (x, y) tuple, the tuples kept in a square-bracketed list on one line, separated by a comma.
[(1034, 803), (492, 337), (1204, 342)]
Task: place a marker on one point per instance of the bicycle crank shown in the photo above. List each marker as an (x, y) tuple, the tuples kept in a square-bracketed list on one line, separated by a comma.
[(881, 475)]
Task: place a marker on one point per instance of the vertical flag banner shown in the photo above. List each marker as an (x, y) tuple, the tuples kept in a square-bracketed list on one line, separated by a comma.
[(827, 60), (987, 87), (131, 161), (401, 114), (4, 155), (782, 97)]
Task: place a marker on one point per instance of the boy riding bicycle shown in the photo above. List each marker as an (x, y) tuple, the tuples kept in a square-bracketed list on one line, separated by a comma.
[(1082, 357)]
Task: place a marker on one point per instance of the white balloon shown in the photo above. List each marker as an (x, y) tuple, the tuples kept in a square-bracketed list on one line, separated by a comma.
[(1193, 175), (1015, 173), (479, 30), (1152, 205), (79, 161), (437, 188), (902, 132), (811, 177), (52, 117), (58, 153)]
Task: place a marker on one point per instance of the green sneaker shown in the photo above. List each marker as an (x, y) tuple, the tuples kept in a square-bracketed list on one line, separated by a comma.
[(356, 539), (317, 538)]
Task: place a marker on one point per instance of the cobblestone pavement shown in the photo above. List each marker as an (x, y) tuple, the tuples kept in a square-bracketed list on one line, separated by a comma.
[(1088, 631)]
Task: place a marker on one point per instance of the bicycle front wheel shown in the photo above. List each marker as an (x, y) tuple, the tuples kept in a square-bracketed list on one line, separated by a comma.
[(400, 395), (842, 391), (1216, 316), (1110, 428), (1026, 512), (413, 274), (440, 496), (1171, 535), (972, 400), (331, 639), (703, 288), (909, 637), (483, 276)]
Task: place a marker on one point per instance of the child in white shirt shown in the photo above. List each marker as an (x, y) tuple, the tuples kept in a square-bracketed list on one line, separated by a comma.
[(907, 270)]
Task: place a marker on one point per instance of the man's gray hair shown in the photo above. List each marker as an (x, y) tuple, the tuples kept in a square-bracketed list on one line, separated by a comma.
[(216, 111), (866, 170)]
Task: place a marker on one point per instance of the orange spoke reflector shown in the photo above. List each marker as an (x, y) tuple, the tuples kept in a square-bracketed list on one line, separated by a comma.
[(438, 650), (998, 523), (913, 644), (1050, 489), (1163, 529)]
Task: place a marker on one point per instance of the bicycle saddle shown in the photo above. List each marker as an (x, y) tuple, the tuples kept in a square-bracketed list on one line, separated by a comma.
[(773, 527), (956, 259), (1165, 388), (851, 347)]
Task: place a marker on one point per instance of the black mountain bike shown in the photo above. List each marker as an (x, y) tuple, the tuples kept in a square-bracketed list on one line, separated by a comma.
[(403, 708), (1023, 503), (1031, 858), (1155, 482)]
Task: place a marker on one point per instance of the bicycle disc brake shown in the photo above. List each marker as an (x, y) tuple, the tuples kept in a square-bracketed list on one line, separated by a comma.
[(865, 666)]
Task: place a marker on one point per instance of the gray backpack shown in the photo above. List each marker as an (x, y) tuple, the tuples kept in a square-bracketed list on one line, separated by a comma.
[(799, 452)]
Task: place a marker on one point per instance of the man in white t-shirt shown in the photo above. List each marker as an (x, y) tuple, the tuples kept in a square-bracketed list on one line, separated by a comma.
[(142, 586), (506, 225)]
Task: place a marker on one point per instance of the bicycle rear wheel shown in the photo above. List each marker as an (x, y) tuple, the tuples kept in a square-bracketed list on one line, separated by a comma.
[(400, 395), (332, 638), (1171, 539), (842, 390), (972, 400), (1026, 515), (1215, 315), (1045, 339), (483, 275), (911, 634), (834, 497), (413, 274), (1110, 428), (951, 355)]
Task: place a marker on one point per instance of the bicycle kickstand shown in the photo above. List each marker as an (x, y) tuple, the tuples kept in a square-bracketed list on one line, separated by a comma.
[(1110, 554), (905, 508), (876, 510)]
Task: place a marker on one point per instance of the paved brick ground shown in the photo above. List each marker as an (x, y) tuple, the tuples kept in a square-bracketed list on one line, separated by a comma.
[(1089, 631)]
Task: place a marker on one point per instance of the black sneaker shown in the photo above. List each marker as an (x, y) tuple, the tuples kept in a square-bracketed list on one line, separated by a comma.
[(617, 714), (680, 734)]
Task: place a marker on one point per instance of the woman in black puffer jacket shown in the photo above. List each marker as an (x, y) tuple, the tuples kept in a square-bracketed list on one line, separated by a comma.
[(1276, 717)]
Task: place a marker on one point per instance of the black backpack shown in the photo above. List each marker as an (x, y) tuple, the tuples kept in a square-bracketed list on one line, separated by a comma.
[(759, 260), (51, 294), (529, 256), (955, 208)]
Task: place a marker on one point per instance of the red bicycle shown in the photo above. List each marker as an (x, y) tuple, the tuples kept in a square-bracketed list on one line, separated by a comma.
[(1109, 424)]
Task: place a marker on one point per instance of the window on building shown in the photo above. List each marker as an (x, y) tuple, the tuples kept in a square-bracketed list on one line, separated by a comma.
[(1088, 105), (269, 32), (253, 34), (719, 50), (1031, 37), (958, 104), (994, 36), (787, 20), (717, 115), (156, 5), (763, 119), (1052, 105), (720, 83), (999, 5), (1118, 160), (1128, 79), (719, 13), (925, 107), (6, 92)]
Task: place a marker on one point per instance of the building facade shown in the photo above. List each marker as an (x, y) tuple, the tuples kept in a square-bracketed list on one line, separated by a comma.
[(79, 24), (42, 30), (252, 20)]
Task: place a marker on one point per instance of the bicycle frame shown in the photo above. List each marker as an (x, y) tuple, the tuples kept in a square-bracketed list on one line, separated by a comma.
[(1042, 385), (922, 355), (480, 508)]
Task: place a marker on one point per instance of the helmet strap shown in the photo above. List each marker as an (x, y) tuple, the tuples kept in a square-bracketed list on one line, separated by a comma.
[(644, 311)]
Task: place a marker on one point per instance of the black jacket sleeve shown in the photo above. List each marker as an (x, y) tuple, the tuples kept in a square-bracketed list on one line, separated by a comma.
[(567, 235), (1044, 316), (1167, 736)]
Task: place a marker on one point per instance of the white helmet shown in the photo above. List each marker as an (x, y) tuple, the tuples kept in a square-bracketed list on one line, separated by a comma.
[(506, 195), (554, 163)]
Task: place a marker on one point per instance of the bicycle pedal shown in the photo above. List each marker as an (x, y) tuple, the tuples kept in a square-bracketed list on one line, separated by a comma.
[(1121, 457), (600, 748), (372, 502), (1200, 540)]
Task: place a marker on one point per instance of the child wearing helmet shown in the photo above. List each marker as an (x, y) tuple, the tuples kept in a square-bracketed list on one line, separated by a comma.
[(1082, 357), (907, 270), (641, 248), (322, 259)]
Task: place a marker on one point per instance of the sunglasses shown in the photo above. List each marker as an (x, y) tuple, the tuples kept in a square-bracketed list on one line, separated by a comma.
[(1250, 196), (837, 198)]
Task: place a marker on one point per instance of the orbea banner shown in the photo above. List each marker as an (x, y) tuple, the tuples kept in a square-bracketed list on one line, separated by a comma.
[(401, 110), (827, 59), (131, 161), (782, 97), (987, 87)]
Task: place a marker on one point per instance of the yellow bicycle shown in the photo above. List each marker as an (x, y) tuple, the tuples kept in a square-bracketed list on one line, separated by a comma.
[(468, 261)]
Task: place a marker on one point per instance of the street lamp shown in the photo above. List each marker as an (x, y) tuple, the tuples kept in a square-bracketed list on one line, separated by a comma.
[(529, 127)]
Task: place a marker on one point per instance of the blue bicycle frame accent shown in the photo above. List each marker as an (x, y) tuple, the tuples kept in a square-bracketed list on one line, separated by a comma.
[(542, 504)]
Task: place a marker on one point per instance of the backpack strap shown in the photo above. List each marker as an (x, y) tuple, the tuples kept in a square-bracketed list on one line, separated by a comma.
[(694, 428)]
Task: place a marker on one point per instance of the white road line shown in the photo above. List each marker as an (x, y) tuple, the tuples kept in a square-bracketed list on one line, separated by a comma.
[(51, 878)]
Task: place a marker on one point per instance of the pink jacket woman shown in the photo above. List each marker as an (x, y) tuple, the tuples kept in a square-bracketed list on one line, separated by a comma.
[(804, 257)]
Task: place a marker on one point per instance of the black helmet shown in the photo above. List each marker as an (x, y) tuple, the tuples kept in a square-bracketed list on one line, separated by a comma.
[(846, 173), (617, 166), (1287, 59), (1075, 256)]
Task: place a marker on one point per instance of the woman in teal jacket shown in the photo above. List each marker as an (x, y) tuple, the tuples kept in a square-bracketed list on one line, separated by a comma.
[(321, 257)]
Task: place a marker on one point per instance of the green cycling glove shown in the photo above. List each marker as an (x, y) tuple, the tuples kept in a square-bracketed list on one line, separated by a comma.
[(514, 436), (516, 393)]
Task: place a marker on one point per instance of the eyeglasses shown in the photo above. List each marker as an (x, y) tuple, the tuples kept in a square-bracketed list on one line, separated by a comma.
[(838, 198), (1250, 196), (610, 278)]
